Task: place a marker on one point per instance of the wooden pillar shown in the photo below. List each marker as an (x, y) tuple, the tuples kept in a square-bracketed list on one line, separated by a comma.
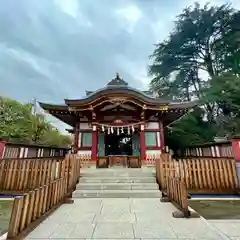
[(162, 138), (76, 138), (236, 154), (236, 148), (94, 143), (2, 148), (142, 143)]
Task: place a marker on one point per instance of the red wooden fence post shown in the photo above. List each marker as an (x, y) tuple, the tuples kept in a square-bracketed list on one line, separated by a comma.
[(236, 153), (236, 148), (2, 147)]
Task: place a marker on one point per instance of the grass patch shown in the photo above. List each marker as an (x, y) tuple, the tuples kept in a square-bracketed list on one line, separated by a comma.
[(5, 214), (217, 209)]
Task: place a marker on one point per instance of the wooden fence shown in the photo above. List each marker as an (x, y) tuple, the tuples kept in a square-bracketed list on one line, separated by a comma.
[(171, 184), (165, 167), (212, 149), (176, 191), (219, 149), (209, 174), (34, 204), (73, 164), (199, 174), (21, 175), (23, 150), (27, 174), (84, 159), (49, 192)]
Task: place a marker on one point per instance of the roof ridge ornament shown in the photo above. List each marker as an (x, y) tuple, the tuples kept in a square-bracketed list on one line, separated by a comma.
[(117, 76), (117, 81)]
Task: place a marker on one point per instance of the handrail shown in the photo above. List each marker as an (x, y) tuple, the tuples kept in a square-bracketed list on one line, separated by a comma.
[(176, 191), (38, 202), (195, 174), (199, 174), (34, 204)]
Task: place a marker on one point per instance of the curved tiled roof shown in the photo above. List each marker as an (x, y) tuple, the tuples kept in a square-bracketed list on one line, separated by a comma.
[(119, 87), (116, 86), (117, 90), (47, 106), (131, 91)]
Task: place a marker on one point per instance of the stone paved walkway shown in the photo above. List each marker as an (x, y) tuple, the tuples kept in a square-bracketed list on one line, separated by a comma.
[(129, 218), (229, 228), (123, 219)]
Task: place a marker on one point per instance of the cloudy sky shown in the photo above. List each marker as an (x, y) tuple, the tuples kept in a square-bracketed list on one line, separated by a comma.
[(56, 49)]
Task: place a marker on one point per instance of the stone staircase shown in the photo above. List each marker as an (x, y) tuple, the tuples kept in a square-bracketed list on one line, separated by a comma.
[(117, 183)]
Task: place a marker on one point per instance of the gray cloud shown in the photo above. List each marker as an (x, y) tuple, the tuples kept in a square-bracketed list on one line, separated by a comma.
[(53, 54), (56, 49)]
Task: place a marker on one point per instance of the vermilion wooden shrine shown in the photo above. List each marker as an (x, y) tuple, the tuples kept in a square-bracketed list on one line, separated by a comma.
[(118, 124)]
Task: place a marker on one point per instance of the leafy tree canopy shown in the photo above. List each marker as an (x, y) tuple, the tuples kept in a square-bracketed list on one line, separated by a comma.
[(18, 123), (201, 60)]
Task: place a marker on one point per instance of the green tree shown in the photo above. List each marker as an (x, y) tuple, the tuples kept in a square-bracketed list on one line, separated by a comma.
[(195, 45), (229, 46), (224, 90), (40, 127), (18, 123), (53, 137), (15, 120), (191, 129), (204, 42)]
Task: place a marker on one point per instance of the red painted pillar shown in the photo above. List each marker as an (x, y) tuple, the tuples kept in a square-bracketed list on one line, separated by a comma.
[(236, 154), (2, 147), (142, 144), (76, 137), (94, 143), (236, 148), (162, 138)]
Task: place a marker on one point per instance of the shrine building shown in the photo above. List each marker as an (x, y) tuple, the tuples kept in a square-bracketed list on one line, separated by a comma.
[(118, 124)]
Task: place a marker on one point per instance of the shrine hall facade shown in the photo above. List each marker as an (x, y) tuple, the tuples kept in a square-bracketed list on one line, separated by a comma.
[(118, 123)]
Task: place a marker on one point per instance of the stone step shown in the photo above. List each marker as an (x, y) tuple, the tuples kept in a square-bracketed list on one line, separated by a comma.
[(118, 175), (117, 186), (118, 180), (117, 194)]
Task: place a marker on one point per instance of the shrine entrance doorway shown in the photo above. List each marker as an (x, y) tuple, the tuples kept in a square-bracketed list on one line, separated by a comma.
[(118, 147), (118, 144)]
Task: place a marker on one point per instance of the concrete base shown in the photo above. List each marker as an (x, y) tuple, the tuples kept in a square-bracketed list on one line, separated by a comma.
[(180, 214), (68, 201), (190, 214), (164, 199)]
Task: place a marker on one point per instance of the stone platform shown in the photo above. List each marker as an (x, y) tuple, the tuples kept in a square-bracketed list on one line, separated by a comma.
[(117, 183)]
